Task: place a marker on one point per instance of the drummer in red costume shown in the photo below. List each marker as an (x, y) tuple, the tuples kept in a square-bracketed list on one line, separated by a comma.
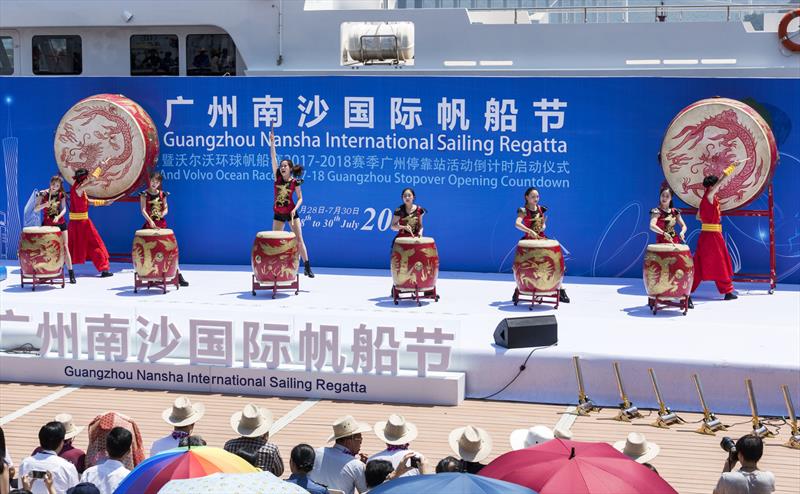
[(84, 241), (531, 221), (54, 203), (407, 219), (287, 183), (153, 202), (664, 218), (711, 259)]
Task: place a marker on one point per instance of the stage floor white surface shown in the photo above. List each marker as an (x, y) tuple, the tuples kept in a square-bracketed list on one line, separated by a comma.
[(756, 336)]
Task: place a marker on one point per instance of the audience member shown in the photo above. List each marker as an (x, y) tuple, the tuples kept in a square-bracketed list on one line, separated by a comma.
[(20, 491), (84, 488), (525, 438), (637, 448), (63, 474), (45, 477), (301, 463), (108, 475), (248, 455), (5, 474), (471, 444), (181, 416), (70, 453), (651, 467), (376, 472), (253, 424), (340, 467), (748, 479), (397, 434), (192, 441), (448, 464), (99, 428)]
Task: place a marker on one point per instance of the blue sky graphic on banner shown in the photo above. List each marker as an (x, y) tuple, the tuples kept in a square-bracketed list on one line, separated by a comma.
[(469, 146)]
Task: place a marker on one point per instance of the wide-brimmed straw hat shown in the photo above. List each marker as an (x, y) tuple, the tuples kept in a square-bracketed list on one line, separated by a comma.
[(71, 429), (525, 438), (183, 412), (396, 430), (252, 421), (348, 426), (470, 443), (637, 447)]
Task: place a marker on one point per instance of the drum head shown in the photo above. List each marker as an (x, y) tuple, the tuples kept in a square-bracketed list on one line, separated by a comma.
[(150, 232), (709, 135), (275, 234), (668, 248), (109, 132), (543, 242), (40, 229), (413, 240)]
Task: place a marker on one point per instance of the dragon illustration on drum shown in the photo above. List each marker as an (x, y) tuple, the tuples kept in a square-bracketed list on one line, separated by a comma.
[(43, 254), (278, 263), (662, 279), (155, 258), (416, 273), (540, 270), (725, 148)]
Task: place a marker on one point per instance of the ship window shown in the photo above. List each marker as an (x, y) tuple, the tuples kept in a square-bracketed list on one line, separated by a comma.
[(6, 55), (57, 55), (154, 54), (210, 54)]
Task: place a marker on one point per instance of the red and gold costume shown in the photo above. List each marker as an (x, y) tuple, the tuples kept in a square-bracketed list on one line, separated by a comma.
[(154, 205), (53, 209), (412, 219), (284, 197), (711, 259), (84, 241), (533, 219), (666, 221)]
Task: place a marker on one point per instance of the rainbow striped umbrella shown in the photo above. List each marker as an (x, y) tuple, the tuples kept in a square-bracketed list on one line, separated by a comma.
[(181, 463)]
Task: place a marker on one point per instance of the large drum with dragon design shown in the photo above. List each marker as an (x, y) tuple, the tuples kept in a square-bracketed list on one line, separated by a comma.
[(275, 257), (113, 133), (708, 136), (155, 254), (415, 264), (538, 266), (668, 270), (41, 252)]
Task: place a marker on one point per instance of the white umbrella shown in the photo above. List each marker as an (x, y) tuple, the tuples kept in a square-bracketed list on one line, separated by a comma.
[(233, 483)]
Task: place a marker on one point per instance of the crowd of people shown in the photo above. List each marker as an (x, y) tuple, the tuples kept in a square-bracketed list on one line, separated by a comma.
[(56, 466)]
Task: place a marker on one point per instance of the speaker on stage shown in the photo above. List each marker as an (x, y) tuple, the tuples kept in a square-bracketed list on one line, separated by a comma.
[(523, 332)]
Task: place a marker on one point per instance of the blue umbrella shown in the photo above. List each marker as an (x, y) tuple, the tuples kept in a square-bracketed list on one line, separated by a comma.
[(451, 483)]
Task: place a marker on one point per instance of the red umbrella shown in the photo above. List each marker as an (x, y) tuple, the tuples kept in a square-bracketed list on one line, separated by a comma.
[(560, 466)]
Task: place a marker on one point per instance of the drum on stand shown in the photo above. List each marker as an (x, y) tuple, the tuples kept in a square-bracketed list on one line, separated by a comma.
[(668, 274), (41, 256), (155, 259), (275, 260), (415, 268), (538, 271)]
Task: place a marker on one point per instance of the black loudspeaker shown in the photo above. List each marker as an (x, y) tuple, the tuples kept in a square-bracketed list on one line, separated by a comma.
[(526, 332)]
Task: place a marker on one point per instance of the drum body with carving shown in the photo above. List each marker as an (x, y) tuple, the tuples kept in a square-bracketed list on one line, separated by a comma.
[(538, 266), (155, 254), (668, 270), (275, 257), (41, 252), (112, 133), (708, 136), (415, 263)]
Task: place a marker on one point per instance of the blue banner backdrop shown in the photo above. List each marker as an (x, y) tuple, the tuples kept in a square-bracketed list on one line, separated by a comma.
[(469, 146)]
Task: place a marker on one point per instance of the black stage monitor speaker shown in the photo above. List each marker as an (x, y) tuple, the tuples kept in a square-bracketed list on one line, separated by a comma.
[(526, 332)]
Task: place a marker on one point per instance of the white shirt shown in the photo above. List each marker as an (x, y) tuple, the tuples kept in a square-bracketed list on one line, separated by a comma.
[(106, 476), (336, 469), (746, 482), (64, 473), (163, 444), (394, 457)]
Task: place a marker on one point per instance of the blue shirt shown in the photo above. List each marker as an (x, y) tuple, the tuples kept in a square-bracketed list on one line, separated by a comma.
[(307, 484)]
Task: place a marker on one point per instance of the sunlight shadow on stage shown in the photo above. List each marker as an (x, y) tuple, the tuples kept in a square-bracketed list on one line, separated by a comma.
[(634, 289), (523, 307), (17, 288), (388, 303), (644, 311)]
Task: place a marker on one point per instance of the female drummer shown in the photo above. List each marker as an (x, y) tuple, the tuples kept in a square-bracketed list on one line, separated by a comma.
[(54, 203), (84, 241), (711, 260), (664, 218), (407, 219), (154, 206), (532, 222), (287, 182)]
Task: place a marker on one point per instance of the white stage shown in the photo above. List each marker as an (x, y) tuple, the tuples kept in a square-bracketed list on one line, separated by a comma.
[(756, 336)]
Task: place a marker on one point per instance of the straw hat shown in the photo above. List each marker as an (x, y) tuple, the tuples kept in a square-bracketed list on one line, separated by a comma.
[(183, 412), (525, 438), (347, 426), (638, 448), (71, 429), (470, 443), (252, 421), (396, 430)]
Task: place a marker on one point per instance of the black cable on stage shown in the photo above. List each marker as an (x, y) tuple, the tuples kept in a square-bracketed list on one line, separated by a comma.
[(521, 368), (24, 348)]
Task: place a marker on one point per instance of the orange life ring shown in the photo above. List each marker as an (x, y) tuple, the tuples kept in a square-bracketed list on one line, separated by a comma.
[(783, 29)]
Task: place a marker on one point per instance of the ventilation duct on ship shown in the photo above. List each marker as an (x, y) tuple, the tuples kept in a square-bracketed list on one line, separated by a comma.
[(377, 43)]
